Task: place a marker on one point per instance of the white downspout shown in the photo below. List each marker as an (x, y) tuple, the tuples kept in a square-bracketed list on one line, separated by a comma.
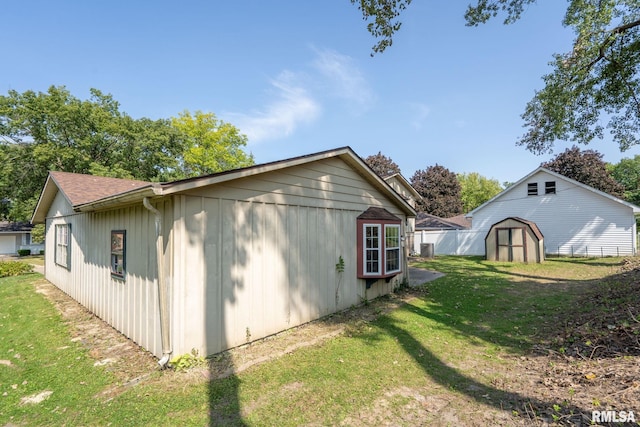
[(163, 299)]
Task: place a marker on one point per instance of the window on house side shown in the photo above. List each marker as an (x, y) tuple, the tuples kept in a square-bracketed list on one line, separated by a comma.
[(532, 189), (392, 248), (372, 249), (550, 187), (118, 253), (62, 255)]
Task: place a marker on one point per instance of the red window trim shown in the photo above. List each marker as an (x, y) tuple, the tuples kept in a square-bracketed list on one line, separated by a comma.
[(360, 247)]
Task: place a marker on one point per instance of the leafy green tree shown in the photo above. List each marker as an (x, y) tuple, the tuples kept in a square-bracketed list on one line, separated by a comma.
[(586, 167), (382, 165), (596, 82), (440, 190), (475, 189), (56, 131), (627, 173), (211, 145)]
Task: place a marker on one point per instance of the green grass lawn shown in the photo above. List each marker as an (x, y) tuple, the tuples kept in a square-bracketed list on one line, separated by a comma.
[(456, 338)]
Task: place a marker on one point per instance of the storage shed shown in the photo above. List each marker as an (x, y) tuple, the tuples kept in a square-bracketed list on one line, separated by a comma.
[(515, 240)]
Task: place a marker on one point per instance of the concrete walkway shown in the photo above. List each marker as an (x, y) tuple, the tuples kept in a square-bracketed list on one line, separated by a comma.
[(418, 276)]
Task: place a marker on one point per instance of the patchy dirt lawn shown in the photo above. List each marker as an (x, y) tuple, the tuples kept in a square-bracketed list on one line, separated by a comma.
[(591, 361)]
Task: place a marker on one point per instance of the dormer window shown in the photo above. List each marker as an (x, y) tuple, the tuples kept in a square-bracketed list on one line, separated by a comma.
[(532, 189), (550, 187)]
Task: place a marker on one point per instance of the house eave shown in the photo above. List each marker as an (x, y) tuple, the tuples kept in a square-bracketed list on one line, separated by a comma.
[(122, 199)]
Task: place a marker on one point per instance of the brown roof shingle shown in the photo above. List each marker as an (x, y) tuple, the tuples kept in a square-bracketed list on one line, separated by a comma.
[(80, 188)]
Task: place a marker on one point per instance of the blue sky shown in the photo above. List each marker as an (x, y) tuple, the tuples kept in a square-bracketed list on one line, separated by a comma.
[(297, 77)]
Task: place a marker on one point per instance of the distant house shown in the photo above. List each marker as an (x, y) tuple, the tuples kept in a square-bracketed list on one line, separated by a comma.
[(13, 236), (428, 222), (411, 196), (574, 218), (213, 262), (446, 236)]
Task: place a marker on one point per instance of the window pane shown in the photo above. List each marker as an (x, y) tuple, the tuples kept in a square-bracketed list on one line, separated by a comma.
[(393, 260), (392, 235), (372, 238), (373, 261), (118, 253)]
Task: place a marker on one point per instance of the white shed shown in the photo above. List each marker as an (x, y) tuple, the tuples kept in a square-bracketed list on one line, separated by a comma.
[(242, 254), (575, 219)]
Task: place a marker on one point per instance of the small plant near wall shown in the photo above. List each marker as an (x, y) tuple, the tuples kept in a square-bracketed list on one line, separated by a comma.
[(186, 361), (340, 270)]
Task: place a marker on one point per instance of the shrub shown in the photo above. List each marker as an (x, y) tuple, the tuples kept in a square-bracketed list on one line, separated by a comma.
[(24, 252), (41, 251), (14, 268)]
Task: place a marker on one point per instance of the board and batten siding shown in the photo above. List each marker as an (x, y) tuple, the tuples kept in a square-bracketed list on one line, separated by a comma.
[(574, 221), (129, 305), (258, 255)]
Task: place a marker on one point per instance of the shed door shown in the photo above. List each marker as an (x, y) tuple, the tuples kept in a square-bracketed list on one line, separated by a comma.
[(511, 244), (7, 245)]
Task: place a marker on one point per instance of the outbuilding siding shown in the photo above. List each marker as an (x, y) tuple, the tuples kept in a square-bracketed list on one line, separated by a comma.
[(247, 253), (574, 220), (249, 268), (129, 305)]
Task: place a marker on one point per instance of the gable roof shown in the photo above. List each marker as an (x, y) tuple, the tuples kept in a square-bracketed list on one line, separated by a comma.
[(87, 192), (15, 227), (405, 184), (636, 209), (532, 225), (81, 189), (432, 222)]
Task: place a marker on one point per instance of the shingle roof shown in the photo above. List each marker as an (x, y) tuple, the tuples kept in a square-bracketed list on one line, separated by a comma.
[(81, 188), (14, 227), (379, 214), (428, 221)]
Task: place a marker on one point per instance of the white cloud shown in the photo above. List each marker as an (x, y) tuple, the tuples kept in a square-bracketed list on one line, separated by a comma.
[(419, 114), (293, 105), (344, 78), (298, 98)]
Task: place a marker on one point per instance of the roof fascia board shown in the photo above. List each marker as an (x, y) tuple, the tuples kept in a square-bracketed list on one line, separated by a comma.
[(407, 184), (193, 183), (117, 200), (49, 192)]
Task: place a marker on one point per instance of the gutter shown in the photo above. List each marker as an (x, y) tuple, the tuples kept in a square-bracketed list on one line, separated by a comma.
[(163, 300)]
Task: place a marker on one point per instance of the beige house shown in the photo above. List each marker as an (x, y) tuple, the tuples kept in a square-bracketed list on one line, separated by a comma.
[(241, 254), (400, 184)]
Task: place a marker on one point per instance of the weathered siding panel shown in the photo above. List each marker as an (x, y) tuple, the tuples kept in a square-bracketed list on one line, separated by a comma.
[(574, 221), (268, 263), (129, 305)]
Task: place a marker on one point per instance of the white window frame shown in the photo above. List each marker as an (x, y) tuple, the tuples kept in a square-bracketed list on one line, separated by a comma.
[(118, 258), (366, 250), (62, 253), (396, 249)]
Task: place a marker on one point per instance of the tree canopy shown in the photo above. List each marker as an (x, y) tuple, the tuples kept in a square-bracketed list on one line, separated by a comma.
[(627, 173), (586, 167), (382, 165), (54, 130), (211, 145), (593, 87), (440, 190), (475, 189)]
